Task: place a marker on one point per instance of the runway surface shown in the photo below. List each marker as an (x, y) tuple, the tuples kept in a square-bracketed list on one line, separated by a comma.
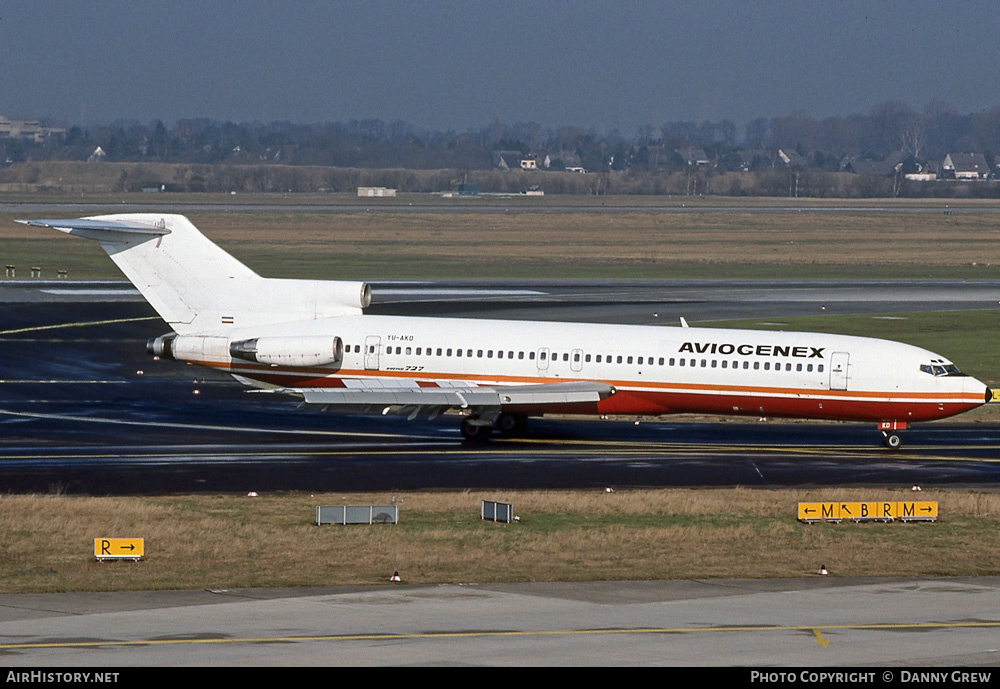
[(82, 407), (908, 624)]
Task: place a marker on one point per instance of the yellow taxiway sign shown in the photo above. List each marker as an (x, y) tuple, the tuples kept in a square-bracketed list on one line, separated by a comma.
[(118, 548)]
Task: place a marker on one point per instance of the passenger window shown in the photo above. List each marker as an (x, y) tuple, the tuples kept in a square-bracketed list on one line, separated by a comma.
[(819, 368)]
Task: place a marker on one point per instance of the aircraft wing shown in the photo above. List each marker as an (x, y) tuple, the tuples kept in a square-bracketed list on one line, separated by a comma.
[(441, 398)]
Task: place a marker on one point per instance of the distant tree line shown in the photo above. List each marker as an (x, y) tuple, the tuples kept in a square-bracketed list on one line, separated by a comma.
[(787, 155), (888, 127)]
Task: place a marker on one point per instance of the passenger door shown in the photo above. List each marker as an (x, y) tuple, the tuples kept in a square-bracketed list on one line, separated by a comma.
[(839, 370)]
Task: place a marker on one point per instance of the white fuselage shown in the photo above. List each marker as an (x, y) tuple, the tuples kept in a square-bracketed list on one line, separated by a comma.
[(655, 370)]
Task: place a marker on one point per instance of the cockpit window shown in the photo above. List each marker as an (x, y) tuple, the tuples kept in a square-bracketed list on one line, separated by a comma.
[(941, 369)]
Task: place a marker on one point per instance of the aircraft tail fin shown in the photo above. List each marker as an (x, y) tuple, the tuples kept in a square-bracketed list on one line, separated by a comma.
[(195, 285)]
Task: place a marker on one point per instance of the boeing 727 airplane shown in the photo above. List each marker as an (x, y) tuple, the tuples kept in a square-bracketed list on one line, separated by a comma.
[(311, 338)]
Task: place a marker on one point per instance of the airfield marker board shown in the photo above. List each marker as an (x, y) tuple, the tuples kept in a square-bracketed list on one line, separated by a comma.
[(119, 548)]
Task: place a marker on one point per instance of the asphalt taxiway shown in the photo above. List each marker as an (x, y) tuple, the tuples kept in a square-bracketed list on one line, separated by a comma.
[(759, 624)]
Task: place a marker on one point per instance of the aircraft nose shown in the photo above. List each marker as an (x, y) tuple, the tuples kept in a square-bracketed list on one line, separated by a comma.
[(973, 386)]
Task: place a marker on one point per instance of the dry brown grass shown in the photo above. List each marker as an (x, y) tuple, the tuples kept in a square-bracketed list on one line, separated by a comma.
[(567, 242), (620, 237), (217, 541)]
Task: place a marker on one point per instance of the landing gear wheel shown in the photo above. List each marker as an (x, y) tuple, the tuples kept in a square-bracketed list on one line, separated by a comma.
[(891, 440), (511, 424), (475, 431)]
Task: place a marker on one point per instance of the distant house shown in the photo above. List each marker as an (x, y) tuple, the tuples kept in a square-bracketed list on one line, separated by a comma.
[(97, 156), (965, 166), (560, 160), (694, 157), (882, 168), (27, 129), (791, 158), (376, 191), (515, 160), (507, 160), (754, 159)]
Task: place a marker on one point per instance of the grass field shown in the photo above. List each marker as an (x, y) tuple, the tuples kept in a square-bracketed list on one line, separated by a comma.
[(220, 541), (519, 239)]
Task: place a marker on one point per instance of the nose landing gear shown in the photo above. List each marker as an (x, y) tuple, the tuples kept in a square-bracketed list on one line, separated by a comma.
[(891, 440)]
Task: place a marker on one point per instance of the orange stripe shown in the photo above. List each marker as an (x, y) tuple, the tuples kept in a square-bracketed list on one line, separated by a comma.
[(621, 384)]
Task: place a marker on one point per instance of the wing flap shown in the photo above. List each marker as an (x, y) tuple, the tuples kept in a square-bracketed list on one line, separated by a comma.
[(457, 398), (572, 392), (541, 395)]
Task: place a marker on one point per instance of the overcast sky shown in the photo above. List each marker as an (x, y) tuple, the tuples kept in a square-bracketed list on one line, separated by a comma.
[(460, 64)]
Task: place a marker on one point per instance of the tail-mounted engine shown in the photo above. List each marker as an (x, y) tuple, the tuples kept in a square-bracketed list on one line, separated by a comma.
[(290, 351)]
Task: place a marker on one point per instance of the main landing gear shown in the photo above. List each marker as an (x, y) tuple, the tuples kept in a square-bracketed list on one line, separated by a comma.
[(478, 430)]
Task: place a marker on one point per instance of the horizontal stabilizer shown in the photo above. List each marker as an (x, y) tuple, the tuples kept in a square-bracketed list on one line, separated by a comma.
[(94, 225)]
